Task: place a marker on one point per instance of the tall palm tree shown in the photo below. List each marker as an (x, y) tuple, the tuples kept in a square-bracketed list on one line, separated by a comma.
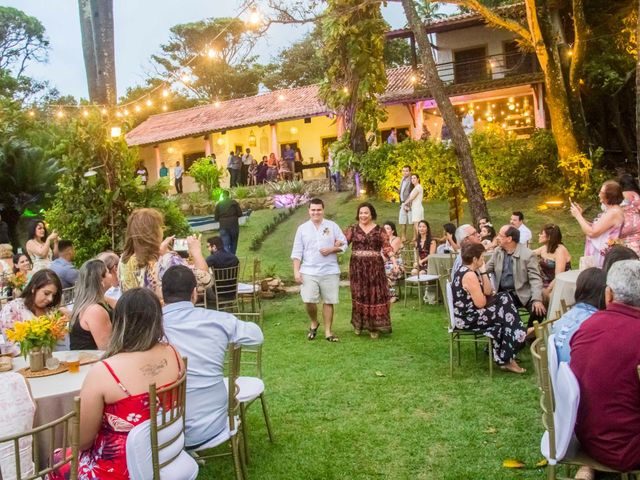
[(96, 28)]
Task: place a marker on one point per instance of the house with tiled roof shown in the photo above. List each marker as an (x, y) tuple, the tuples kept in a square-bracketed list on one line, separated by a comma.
[(485, 74)]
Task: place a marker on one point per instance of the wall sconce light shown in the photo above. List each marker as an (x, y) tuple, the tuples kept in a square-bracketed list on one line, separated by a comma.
[(293, 130), (252, 139), (171, 150), (220, 141)]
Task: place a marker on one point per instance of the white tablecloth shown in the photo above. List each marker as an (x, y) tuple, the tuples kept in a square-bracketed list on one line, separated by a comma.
[(563, 289), (53, 395)]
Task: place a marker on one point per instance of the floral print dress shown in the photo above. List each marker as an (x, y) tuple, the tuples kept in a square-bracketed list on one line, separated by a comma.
[(499, 320), (369, 289), (107, 459)]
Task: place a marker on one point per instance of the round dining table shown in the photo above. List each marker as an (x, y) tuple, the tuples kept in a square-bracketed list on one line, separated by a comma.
[(564, 288), (54, 395)]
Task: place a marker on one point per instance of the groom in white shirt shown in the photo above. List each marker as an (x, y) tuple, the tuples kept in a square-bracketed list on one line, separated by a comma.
[(315, 266)]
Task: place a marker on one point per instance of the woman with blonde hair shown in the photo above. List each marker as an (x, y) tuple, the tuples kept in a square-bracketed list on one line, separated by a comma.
[(146, 256), (111, 282), (91, 317)]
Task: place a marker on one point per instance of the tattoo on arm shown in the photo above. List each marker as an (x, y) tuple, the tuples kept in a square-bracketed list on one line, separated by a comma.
[(150, 370)]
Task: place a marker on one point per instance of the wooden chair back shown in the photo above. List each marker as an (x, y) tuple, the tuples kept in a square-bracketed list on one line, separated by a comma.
[(235, 359), (541, 365), (70, 446), (167, 407), (225, 288), (252, 354)]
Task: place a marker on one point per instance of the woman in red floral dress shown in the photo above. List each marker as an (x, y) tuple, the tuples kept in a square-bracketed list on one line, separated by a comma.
[(114, 396), (370, 299)]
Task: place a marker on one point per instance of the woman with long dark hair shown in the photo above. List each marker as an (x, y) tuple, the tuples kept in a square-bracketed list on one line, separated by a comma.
[(41, 296), (41, 246), (114, 396), (369, 290), (393, 264), (425, 245), (553, 257)]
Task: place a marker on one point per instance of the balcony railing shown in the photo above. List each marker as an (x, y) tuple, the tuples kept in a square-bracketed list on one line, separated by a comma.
[(492, 67)]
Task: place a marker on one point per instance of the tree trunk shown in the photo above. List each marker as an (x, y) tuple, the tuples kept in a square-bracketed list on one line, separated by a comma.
[(88, 49), (96, 28), (638, 91), (102, 22), (460, 141)]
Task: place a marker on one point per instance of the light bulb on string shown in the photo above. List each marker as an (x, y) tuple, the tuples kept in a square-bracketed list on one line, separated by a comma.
[(254, 16), (165, 92), (103, 111), (164, 108), (85, 114), (118, 114), (149, 103), (137, 108), (212, 53), (216, 104), (31, 113), (126, 112), (60, 114)]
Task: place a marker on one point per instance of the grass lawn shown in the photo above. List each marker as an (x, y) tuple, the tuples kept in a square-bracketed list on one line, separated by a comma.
[(363, 409)]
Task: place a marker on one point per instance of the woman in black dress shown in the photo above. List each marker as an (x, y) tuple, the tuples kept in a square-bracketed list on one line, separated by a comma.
[(476, 308), (91, 317), (369, 290)]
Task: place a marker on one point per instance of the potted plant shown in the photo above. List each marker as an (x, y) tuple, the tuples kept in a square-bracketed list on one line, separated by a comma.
[(37, 337)]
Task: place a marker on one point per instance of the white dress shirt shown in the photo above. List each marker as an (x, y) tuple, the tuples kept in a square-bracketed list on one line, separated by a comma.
[(202, 336), (525, 234), (308, 242)]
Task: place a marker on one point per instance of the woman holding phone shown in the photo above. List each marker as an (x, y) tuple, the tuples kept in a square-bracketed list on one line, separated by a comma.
[(605, 228), (146, 256)]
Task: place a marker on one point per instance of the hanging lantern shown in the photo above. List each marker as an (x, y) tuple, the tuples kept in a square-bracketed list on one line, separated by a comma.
[(252, 139)]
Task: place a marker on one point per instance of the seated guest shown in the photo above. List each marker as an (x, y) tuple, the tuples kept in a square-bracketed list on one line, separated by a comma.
[(449, 244), (114, 396), (617, 253), (517, 220), (393, 263), (284, 170), (553, 257), (475, 309), (202, 336), (516, 271), (6, 269), (464, 234), (63, 266), (488, 237), (604, 359), (111, 282), (589, 298), (40, 296), (22, 264), (219, 257), (425, 245), (91, 315), (630, 231), (272, 168), (146, 256)]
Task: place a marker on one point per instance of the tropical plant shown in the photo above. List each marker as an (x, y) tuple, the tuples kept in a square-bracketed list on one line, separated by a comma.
[(98, 221), (287, 186), (240, 192), (28, 180), (206, 174)]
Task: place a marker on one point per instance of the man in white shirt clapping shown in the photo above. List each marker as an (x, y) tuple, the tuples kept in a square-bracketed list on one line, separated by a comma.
[(315, 266)]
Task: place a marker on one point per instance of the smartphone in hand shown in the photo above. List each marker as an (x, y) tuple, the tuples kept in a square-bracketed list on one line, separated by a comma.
[(180, 245)]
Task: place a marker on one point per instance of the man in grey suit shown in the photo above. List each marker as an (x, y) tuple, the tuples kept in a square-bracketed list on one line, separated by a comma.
[(517, 272), (404, 191)]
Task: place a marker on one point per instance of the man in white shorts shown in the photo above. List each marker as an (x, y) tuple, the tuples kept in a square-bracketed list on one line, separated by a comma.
[(404, 218), (315, 266)]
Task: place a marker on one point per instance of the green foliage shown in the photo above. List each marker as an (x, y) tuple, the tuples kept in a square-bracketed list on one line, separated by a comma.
[(240, 192), (287, 186), (28, 179), (504, 163), (22, 40), (206, 174), (353, 37), (269, 228), (231, 73), (92, 211)]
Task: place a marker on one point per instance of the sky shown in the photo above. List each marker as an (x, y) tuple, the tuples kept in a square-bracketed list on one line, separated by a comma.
[(141, 26)]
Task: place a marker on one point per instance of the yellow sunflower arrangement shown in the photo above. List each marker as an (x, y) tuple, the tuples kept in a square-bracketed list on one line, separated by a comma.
[(42, 331)]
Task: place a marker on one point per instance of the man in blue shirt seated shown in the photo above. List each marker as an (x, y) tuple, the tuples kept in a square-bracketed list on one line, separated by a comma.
[(62, 265), (202, 336)]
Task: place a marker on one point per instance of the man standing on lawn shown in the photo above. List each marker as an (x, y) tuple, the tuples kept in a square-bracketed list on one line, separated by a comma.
[(315, 266), (404, 191)]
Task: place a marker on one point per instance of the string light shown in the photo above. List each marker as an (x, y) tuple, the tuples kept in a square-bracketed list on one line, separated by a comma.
[(165, 93), (137, 108), (149, 103), (32, 113), (212, 53), (85, 114), (118, 114), (165, 108), (103, 111), (254, 16), (60, 114)]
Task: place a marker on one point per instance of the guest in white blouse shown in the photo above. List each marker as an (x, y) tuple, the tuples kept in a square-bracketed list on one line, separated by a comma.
[(42, 295)]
